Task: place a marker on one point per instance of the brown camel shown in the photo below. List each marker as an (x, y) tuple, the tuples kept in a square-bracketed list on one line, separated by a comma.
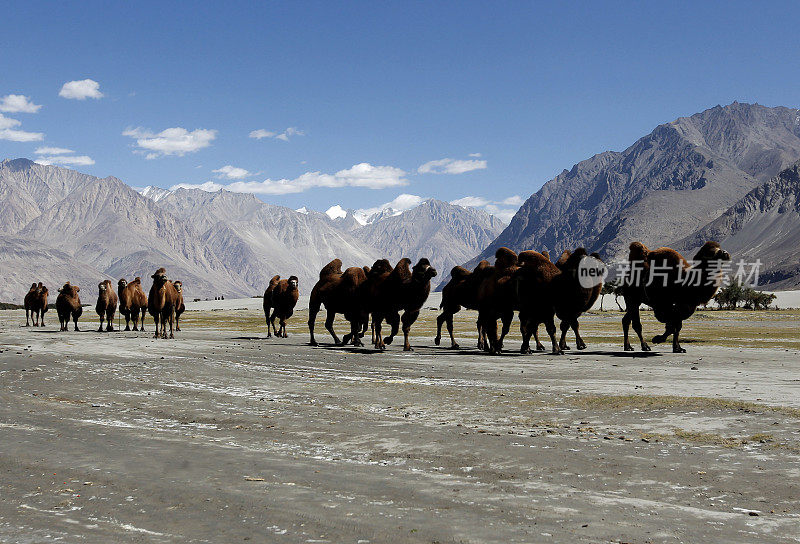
[(161, 303), (404, 289), (280, 298), (106, 307), (574, 298), (36, 304), (497, 298), (673, 287), (337, 290), (461, 290), (132, 302), (68, 304), (536, 283), (180, 306)]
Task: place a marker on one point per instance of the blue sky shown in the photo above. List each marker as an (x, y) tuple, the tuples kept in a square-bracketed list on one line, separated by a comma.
[(511, 92)]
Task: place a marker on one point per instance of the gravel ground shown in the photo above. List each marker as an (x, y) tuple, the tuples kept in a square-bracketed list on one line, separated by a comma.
[(223, 436)]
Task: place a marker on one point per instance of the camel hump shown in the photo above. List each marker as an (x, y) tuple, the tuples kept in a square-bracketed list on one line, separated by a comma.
[(380, 267), (402, 269), (483, 265), (353, 276), (667, 255), (532, 258), (638, 251), (33, 287), (459, 272), (274, 281), (546, 254), (504, 258), (333, 267)]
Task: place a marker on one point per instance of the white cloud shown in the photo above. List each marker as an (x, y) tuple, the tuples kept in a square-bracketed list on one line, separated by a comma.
[(81, 90), (81, 160), (360, 175), (475, 155), (263, 133), (470, 202), (451, 166), (336, 212), (8, 131), (53, 151), (17, 103), (400, 204), (515, 200), (492, 207), (232, 172), (172, 141)]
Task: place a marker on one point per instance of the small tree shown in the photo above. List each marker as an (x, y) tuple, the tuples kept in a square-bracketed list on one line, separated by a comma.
[(608, 289)]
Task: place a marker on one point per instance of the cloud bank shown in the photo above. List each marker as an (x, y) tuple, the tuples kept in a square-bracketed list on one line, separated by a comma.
[(285, 135), (10, 132), (451, 166), (172, 141), (360, 175), (17, 103)]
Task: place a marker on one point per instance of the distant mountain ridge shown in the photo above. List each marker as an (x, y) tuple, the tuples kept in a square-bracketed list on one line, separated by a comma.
[(61, 225), (663, 188)]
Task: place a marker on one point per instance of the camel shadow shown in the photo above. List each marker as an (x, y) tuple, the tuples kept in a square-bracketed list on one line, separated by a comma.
[(622, 354)]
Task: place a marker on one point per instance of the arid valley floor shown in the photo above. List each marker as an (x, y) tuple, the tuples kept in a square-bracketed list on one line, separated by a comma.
[(223, 435)]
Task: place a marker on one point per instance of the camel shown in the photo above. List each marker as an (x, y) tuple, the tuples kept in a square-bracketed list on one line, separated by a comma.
[(161, 303), (404, 289), (280, 297), (497, 298), (337, 290), (573, 298), (68, 304), (106, 307), (536, 286), (132, 302), (461, 290), (36, 304), (674, 288), (180, 306)]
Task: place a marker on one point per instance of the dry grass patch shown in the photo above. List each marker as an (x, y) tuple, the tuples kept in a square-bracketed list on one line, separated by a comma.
[(663, 402)]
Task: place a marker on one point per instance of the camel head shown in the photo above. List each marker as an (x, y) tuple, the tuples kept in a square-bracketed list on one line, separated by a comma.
[(423, 270), (638, 252), (42, 289), (178, 285), (293, 282), (160, 277), (122, 283), (381, 266), (711, 251), (101, 287), (33, 287)]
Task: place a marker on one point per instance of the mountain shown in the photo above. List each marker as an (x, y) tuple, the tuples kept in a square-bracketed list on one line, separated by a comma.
[(764, 225), (661, 189), (258, 240), (444, 233)]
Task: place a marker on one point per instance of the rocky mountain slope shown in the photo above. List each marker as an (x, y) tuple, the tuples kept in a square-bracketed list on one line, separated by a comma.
[(445, 233), (663, 188), (765, 225)]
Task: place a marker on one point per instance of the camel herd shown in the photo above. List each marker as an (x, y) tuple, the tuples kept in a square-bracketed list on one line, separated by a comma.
[(165, 304), (530, 284)]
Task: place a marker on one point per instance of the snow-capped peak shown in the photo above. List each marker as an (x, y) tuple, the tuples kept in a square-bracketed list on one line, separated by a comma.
[(155, 193), (336, 212), (302, 210)]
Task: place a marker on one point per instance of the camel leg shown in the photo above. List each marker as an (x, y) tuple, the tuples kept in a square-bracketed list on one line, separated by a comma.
[(75, 322), (35, 315), (562, 343), (41, 321), (329, 327), (127, 317), (439, 320), (141, 320), (539, 345), (155, 321), (453, 343), (266, 318), (313, 310), (506, 320), (481, 336), (550, 325), (102, 318), (394, 321), (27, 318), (177, 322), (171, 318), (408, 320), (578, 340), (377, 326), (489, 325), (525, 330), (661, 338), (110, 322), (676, 346), (637, 326)]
